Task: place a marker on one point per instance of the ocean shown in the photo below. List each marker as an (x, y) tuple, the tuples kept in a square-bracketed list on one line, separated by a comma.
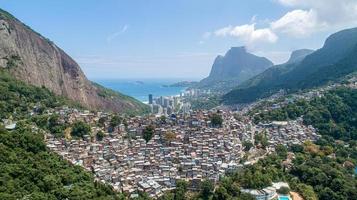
[(141, 88)]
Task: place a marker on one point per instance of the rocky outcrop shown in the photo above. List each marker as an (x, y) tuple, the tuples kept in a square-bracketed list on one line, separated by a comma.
[(34, 59), (235, 67)]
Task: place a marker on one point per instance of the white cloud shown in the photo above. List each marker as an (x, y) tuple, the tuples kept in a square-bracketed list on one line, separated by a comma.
[(289, 2), (248, 33), (335, 14), (254, 19), (305, 18), (224, 31), (112, 36), (298, 23)]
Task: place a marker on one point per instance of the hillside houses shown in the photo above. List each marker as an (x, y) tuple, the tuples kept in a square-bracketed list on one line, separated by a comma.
[(196, 152)]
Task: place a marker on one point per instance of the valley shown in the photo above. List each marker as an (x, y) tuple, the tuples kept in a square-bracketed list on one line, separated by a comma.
[(249, 130)]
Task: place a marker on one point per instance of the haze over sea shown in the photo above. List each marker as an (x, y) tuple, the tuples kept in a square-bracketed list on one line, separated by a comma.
[(141, 88)]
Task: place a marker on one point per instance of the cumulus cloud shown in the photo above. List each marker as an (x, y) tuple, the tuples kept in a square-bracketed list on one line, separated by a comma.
[(298, 23), (248, 33), (333, 14), (305, 18), (289, 2)]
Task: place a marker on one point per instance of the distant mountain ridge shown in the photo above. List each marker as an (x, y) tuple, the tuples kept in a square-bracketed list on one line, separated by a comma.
[(336, 59), (236, 66), (299, 55), (32, 58), (182, 84)]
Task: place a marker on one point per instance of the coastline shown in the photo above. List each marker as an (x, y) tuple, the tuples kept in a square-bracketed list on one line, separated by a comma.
[(141, 88)]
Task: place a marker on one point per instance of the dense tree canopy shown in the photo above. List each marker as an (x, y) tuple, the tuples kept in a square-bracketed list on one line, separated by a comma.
[(18, 97), (207, 188), (216, 120), (334, 114), (115, 121), (148, 133), (325, 169), (28, 170), (80, 129)]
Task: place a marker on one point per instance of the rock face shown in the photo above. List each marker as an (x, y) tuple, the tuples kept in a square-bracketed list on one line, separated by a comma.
[(235, 67), (30, 57)]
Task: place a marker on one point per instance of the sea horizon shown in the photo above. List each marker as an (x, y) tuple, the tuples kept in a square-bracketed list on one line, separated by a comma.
[(140, 88)]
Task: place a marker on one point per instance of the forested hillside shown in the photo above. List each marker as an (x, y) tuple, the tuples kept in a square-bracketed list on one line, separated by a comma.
[(334, 114), (27, 169), (328, 166), (336, 59)]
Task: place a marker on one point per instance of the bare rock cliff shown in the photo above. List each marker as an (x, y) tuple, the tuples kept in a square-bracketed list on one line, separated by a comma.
[(32, 58)]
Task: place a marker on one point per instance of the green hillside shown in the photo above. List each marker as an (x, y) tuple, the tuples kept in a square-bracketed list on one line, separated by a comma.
[(336, 59), (27, 169), (334, 114), (327, 166)]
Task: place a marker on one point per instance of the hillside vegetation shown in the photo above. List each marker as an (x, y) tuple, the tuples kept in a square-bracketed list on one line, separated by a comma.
[(27, 169), (336, 59), (334, 114)]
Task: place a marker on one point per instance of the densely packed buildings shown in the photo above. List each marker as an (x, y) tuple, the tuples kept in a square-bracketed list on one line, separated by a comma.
[(184, 146)]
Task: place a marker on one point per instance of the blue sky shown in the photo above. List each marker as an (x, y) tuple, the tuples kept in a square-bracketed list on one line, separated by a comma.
[(179, 38)]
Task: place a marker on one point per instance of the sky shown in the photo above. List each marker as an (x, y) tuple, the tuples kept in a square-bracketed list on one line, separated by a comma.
[(116, 39)]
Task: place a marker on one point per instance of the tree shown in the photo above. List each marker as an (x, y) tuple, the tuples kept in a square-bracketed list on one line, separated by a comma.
[(254, 177), (169, 137), (281, 150), (221, 194), (41, 121), (55, 127), (306, 191), (261, 139), (52, 182), (247, 145), (181, 189), (102, 121), (163, 119), (206, 189), (100, 135), (79, 129), (232, 187), (29, 167), (246, 196), (216, 120), (167, 196), (148, 133), (283, 190), (115, 121), (296, 148)]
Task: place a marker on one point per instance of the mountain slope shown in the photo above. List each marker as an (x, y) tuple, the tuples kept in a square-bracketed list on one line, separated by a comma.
[(299, 55), (271, 73), (236, 66), (337, 58), (27, 169), (30, 57)]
